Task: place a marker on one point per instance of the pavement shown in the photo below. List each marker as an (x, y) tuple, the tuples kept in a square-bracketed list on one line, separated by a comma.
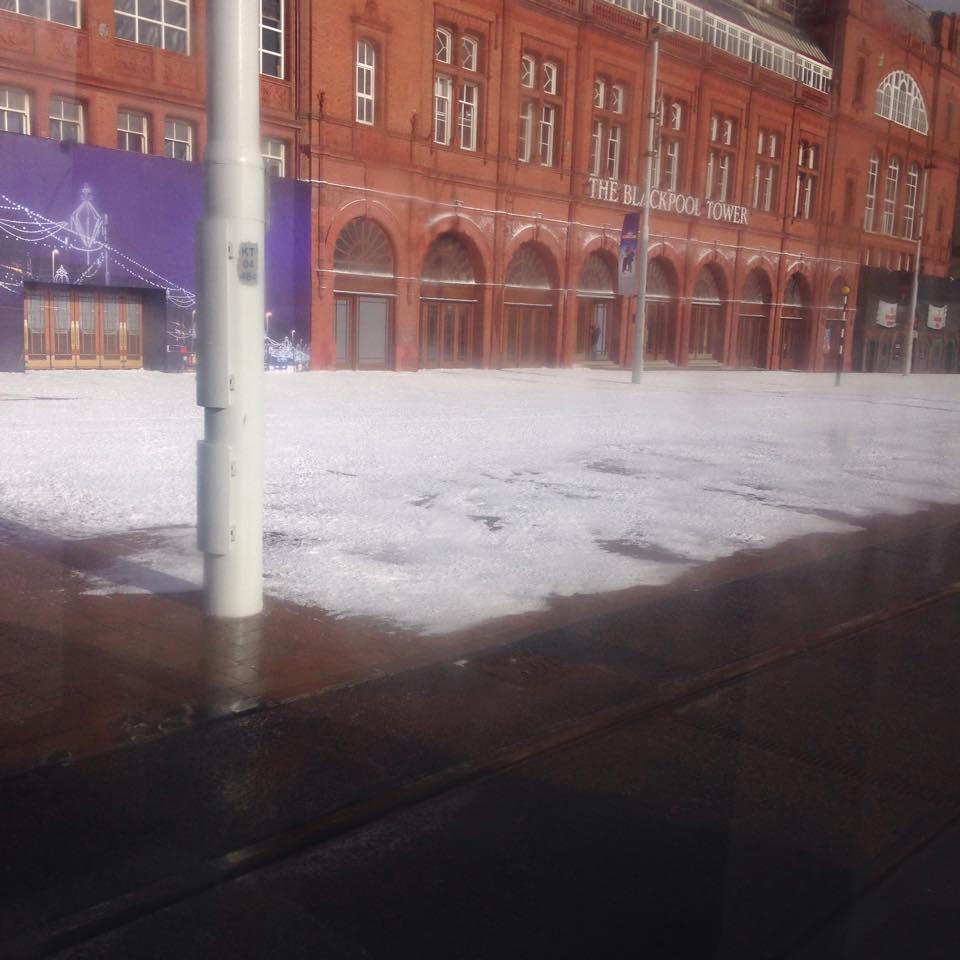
[(757, 761)]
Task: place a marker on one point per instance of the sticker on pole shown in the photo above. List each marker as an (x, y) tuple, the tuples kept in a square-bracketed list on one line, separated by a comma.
[(247, 260)]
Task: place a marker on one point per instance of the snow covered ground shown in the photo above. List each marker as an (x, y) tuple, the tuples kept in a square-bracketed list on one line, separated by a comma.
[(440, 499)]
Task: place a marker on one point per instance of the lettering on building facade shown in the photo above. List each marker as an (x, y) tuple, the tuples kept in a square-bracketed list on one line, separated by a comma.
[(666, 201)]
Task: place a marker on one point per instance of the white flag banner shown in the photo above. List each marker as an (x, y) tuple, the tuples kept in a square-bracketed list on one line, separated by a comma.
[(886, 314), (936, 317)]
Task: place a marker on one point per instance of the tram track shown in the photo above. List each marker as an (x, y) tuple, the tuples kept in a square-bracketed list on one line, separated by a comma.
[(216, 871)]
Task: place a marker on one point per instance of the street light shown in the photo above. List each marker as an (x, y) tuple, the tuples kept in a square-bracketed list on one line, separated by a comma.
[(643, 245), (53, 263), (915, 288), (845, 293)]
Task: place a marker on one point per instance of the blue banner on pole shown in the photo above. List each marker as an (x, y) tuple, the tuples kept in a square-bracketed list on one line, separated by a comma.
[(626, 273)]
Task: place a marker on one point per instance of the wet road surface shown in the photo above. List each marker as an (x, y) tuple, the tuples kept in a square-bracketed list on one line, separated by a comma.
[(763, 767)]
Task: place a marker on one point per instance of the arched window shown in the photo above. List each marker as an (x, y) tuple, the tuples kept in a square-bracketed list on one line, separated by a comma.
[(528, 269), (443, 45), (595, 276), (366, 81), (447, 261), (890, 195), (900, 99), (873, 175), (363, 249)]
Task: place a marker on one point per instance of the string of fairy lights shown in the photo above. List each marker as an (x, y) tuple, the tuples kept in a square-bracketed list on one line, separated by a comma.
[(83, 234)]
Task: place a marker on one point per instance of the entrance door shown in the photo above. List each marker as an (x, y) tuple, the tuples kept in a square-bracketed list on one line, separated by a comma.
[(706, 332), (752, 342), (525, 337), (593, 330), (362, 332), (660, 331), (83, 329), (793, 351), (446, 334)]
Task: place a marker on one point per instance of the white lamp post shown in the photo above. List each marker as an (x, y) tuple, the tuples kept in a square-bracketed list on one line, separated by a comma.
[(915, 286), (643, 245), (53, 264), (230, 362)]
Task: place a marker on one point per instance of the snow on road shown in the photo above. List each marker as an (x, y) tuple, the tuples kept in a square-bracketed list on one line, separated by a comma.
[(440, 499)]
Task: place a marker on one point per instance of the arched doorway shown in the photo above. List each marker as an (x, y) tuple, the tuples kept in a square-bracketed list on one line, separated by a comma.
[(528, 335), (754, 332), (796, 325), (660, 333), (597, 329), (364, 291), (449, 306), (707, 316)]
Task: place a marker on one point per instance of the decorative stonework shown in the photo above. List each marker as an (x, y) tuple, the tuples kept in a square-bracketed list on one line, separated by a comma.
[(134, 61), (17, 36), (178, 72), (275, 94)]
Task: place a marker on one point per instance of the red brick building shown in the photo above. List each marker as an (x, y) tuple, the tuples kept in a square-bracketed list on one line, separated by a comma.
[(472, 162)]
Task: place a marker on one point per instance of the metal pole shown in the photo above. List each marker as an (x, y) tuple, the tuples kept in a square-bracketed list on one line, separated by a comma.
[(643, 245), (845, 293), (915, 288), (230, 361)]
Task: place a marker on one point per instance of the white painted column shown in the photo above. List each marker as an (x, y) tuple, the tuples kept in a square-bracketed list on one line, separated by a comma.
[(230, 320)]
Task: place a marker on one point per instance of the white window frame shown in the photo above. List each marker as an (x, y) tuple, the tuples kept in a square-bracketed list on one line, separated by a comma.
[(547, 139), (890, 192), (62, 101), (614, 146), (442, 109), (910, 201), (126, 127), (469, 53), (274, 153), (805, 193), (177, 131), (443, 45), (672, 169), (599, 93), (676, 115), (142, 24), (691, 20), (551, 77), (17, 7), (528, 71), (469, 105), (870, 206), (525, 132), (6, 109), (617, 98), (268, 29), (365, 92), (596, 147), (900, 100)]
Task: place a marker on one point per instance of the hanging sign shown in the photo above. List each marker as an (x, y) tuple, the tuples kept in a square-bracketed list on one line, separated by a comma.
[(886, 314), (666, 201), (936, 317), (628, 255)]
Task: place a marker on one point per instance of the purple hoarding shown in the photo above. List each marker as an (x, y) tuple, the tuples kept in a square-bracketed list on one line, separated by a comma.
[(85, 215)]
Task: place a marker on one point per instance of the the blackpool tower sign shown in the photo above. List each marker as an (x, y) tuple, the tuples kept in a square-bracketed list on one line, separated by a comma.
[(666, 201)]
